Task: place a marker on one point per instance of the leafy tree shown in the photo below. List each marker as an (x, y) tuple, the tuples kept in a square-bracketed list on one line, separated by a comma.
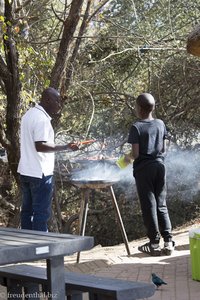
[(38, 49), (140, 46), (101, 55)]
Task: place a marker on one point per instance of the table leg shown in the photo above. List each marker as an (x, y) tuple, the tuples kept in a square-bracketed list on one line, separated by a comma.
[(119, 220), (83, 215), (14, 289), (32, 291), (56, 278)]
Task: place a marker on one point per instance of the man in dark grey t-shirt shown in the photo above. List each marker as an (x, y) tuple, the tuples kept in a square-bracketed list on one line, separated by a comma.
[(147, 137)]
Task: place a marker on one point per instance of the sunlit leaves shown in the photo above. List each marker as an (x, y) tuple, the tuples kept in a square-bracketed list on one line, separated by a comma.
[(141, 47)]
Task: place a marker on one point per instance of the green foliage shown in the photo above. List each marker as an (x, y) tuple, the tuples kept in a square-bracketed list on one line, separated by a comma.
[(182, 212), (35, 67), (135, 46), (139, 46), (129, 47), (177, 94)]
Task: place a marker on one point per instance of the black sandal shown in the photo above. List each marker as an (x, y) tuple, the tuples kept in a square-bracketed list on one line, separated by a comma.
[(148, 249)]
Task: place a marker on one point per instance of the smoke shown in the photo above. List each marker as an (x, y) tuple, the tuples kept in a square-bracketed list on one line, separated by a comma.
[(182, 169), (103, 170)]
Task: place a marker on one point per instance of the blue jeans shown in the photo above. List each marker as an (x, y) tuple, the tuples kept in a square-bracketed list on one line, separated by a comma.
[(36, 202)]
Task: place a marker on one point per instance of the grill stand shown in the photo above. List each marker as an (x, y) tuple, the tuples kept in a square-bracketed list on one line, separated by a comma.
[(84, 212)]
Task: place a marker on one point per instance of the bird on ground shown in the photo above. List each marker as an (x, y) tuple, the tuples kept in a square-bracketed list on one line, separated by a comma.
[(157, 280)]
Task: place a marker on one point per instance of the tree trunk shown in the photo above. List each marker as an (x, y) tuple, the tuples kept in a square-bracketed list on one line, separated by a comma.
[(69, 67), (70, 25), (12, 86)]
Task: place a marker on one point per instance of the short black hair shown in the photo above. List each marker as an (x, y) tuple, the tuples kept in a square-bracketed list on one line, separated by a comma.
[(146, 102)]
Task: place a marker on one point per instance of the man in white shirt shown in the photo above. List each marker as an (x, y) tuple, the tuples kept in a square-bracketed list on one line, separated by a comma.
[(36, 165)]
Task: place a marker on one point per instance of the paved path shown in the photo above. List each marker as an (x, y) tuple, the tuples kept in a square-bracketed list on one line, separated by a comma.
[(114, 262)]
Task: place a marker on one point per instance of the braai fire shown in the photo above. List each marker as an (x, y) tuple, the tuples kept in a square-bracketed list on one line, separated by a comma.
[(95, 169), (97, 177)]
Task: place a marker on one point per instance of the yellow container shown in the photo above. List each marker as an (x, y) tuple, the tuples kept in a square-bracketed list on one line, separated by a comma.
[(124, 160), (194, 237)]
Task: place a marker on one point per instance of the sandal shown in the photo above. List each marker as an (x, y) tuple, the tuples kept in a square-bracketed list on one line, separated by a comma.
[(148, 249)]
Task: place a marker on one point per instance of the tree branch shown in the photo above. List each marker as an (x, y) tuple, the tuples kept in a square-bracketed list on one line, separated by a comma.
[(97, 9), (4, 73), (138, 49), (27, 2)]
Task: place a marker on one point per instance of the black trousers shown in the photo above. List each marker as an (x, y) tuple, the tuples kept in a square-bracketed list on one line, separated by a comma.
[(151, 188)]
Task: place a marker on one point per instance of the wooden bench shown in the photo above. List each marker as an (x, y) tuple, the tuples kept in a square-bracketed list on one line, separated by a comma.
[(99, 288)]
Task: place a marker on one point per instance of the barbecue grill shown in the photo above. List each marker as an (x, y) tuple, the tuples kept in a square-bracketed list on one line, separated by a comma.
[(86, 185), (93, 183)]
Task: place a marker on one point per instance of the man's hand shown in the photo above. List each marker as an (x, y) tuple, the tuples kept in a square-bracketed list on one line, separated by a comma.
[(73, 146)]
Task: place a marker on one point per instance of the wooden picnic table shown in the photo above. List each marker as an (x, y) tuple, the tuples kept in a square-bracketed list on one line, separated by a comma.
[(19, 245)]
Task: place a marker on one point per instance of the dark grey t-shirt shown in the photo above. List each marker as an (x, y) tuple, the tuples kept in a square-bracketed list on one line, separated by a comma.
[(150, 135)]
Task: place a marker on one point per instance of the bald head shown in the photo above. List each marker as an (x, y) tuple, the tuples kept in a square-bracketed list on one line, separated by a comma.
[(50, 101), (49, 93), (146, 102)]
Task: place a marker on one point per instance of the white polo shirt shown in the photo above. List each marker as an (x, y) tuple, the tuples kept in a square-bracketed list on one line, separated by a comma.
[(35, 127)]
